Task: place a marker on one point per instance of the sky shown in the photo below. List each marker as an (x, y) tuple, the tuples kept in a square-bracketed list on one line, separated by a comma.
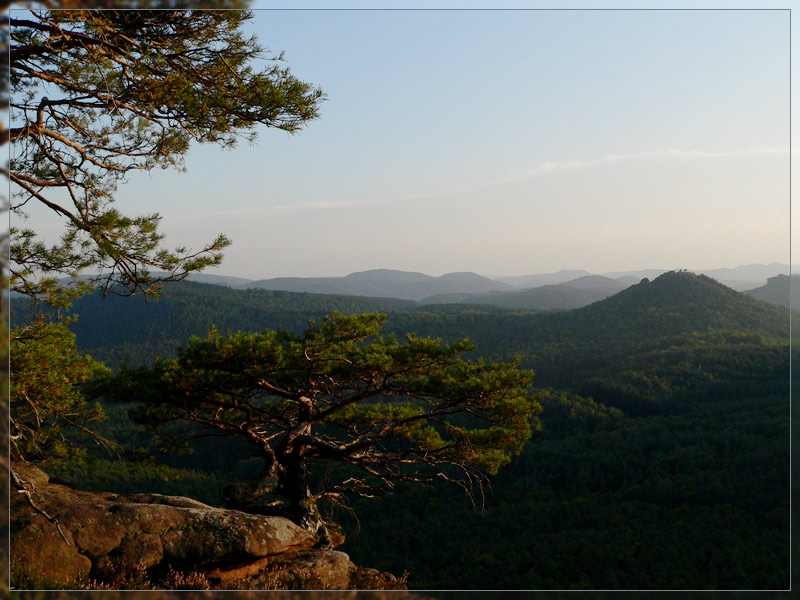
[(504, 143)]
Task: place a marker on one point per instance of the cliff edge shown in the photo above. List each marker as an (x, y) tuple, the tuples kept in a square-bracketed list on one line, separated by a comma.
[(104, 538)]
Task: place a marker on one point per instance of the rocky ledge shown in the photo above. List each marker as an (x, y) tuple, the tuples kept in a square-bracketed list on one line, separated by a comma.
[(103, 535)]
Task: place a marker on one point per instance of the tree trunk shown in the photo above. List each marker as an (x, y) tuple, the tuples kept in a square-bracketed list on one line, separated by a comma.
[(293, 485), (293, 478)]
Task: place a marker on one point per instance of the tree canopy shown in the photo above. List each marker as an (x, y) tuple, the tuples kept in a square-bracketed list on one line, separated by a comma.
[(339, 393), (96, 95), (45, 392)]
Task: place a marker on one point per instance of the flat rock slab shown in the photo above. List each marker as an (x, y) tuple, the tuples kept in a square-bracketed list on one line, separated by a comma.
[(110, 533)]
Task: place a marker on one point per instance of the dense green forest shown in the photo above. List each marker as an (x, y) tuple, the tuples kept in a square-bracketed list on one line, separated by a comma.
[(662, 462), (134, 331), (685, 502)]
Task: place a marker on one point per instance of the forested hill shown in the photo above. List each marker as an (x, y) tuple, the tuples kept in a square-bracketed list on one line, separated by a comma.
[(129, 330), (679, 301), (779, 290), (651, 343), (651, 314), (672, 305)]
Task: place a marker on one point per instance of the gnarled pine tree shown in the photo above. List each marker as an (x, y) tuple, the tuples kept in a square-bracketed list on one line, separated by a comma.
[(391, 411)]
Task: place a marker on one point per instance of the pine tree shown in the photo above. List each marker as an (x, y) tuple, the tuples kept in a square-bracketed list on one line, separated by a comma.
[(94, 96), (389, 411), (97, 95)]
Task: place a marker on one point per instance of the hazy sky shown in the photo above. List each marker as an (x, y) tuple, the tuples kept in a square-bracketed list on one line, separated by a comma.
[(505, 143)]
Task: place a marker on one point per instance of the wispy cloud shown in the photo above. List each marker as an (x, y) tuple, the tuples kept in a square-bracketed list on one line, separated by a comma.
[(320, 205), (547, 167), (539, 170)]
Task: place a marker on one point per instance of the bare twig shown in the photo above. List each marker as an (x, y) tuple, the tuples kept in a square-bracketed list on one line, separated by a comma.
[(22, 485)]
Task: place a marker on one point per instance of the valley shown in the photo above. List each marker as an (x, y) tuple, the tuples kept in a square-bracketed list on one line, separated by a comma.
[(661, 460)]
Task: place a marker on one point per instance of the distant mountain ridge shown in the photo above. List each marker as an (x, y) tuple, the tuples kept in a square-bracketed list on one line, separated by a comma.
[(575, 293), (538, 280), (384, 283), (562, 290), (673, 303), (740, 278), (225, 280), (410, 285)]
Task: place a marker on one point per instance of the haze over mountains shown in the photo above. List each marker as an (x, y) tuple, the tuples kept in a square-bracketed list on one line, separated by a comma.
[(565, 289), (570, 294), (383, 283)]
